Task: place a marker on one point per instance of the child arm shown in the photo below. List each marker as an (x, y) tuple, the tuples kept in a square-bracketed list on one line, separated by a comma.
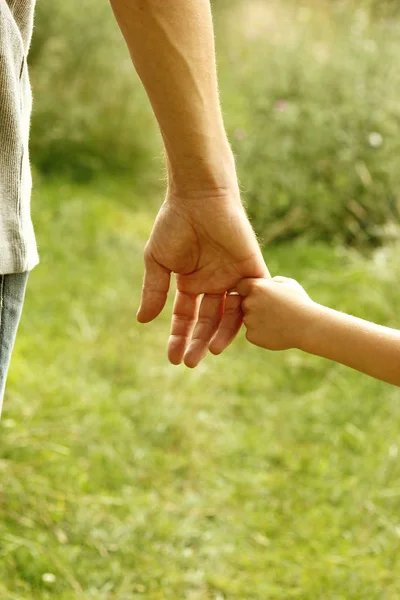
[(368, 348), (279, 314)]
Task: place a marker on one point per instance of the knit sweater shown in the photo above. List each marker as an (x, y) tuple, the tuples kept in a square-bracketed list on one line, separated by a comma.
[(18, 250)]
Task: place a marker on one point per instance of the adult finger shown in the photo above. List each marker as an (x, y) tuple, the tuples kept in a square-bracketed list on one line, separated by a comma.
[(230, 325), (210, 315), (154, 290), (184, 316)]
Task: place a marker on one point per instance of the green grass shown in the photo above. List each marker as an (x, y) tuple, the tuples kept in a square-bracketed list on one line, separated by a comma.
[(255, 476)]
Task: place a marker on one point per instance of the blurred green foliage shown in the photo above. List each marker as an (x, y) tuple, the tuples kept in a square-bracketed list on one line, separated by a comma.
[(255, 476), (310, 99), (91, 113), (317, 139)]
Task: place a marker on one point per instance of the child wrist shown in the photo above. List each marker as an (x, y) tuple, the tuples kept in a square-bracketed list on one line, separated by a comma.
[(311, 329)]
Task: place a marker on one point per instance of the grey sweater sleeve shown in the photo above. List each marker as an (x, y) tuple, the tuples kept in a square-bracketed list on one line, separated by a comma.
[(18, 249)]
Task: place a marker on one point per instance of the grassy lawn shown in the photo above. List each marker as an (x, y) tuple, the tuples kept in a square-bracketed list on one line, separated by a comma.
[(255, 476)]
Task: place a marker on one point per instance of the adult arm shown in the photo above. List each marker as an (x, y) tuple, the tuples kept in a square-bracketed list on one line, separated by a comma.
[(201, 232)]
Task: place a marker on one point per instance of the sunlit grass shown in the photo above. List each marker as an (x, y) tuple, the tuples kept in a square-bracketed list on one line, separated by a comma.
[(257, 475)]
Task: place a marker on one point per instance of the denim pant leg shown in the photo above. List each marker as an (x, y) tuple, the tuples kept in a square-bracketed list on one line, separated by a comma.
[(12, 295)]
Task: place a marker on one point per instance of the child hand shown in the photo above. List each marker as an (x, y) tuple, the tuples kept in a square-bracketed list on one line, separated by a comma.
[(277, 312)]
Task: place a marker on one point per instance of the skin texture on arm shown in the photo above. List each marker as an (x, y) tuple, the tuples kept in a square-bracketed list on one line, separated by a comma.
[(201, 233), (369, 348), (172, 47), (279, 315)]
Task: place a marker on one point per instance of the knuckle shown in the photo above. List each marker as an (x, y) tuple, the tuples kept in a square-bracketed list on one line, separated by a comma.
[(147, 256), (250, 336), (247, 305), (152, 288), (292, 281), (253, 285), (258, 286), (182, 317), (231, 311), (205, 320), (148, 252), (247, 320)]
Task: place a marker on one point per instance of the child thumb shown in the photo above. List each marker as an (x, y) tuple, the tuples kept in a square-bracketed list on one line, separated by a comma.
[(244, 286)]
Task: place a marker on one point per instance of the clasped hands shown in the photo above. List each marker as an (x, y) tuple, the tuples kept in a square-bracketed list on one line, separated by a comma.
[(208, 242)]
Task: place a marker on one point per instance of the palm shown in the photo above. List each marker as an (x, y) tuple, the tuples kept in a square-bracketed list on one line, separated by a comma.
[(210, 246)]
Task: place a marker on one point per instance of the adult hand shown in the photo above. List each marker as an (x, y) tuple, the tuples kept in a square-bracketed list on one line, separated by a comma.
[(209, 243)]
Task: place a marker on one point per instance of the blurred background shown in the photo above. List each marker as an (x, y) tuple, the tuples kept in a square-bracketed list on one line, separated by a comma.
[(310, 97), (257, 475)]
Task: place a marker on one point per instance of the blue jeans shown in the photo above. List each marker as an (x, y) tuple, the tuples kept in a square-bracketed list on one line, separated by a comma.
[(12, 295)]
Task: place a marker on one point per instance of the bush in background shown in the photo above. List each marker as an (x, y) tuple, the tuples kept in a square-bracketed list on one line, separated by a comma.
[(91, 113), (318, 138), (310, 93)]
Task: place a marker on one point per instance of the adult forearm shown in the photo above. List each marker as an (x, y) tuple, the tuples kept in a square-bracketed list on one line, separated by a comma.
[(364, 346), (171, 43)]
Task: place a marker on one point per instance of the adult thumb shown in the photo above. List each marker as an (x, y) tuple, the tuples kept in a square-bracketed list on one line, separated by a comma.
[(154, 291)]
